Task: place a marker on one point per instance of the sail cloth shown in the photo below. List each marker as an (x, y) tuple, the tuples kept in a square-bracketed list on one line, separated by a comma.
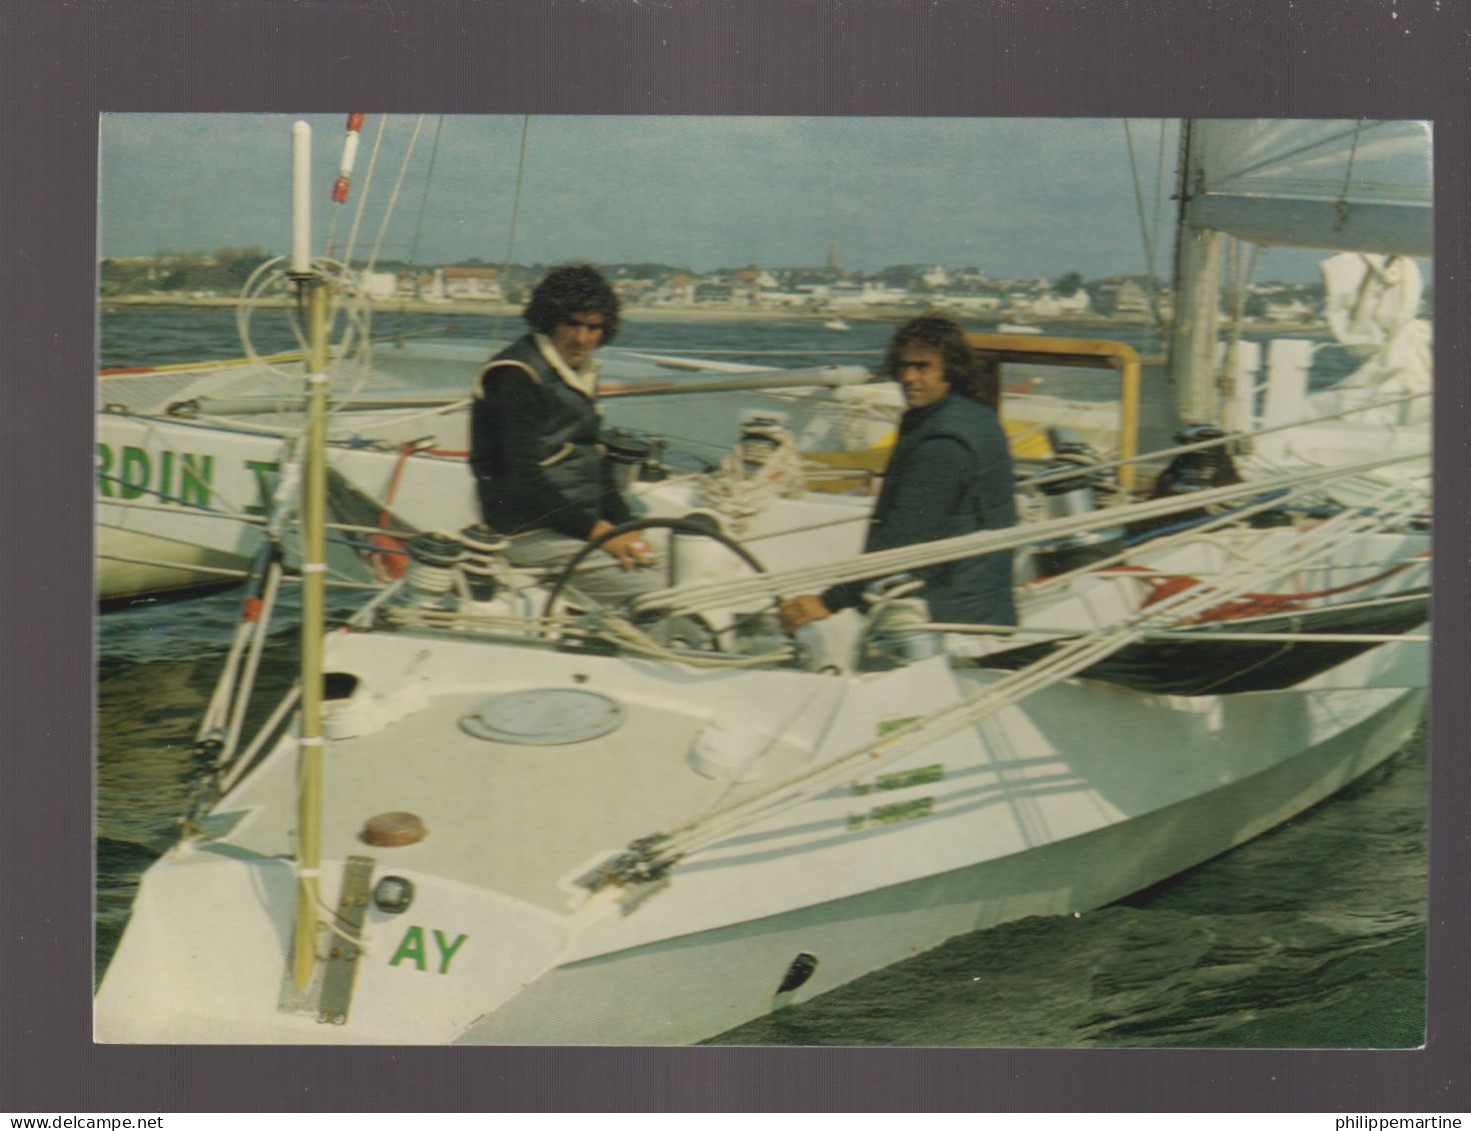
[(1368, 299), (1337, 184)]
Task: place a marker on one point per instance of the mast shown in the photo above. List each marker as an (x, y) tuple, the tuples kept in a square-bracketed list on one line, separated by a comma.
[(1196, 286), (1330, 184), (312, 293)]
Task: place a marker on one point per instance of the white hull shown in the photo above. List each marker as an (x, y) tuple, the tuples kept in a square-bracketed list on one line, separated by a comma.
[(181, 505), (1077, 796), (609, 1001), (133, 564), (179, 502), (200, 983)]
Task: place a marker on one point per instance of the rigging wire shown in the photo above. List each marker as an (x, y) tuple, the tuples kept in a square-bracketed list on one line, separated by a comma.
[(424, 207), (394, 195), (1144, 229), (1340, 206), (515, 218), (806, 579), (351, 298), (357, 219), (1153, 341)]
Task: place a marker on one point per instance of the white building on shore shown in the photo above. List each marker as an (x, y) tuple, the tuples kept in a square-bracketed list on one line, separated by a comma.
[(480, 283)]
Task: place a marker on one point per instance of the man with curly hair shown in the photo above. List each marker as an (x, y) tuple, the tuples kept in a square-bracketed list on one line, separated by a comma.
[(542, 475), (949, 474)]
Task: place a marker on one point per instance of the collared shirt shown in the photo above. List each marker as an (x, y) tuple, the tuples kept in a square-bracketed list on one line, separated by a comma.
[(584, 378)]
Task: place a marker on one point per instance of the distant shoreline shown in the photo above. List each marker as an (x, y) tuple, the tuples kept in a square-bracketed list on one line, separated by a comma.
[(723, 314)]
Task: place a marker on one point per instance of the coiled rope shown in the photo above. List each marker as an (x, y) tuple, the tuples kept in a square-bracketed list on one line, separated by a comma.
[(763, 467)]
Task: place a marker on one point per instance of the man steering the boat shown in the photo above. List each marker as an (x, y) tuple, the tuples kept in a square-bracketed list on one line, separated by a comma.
[(949, 474), (541, 471)]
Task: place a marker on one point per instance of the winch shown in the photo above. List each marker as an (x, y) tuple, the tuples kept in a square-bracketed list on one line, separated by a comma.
[(1198, 470), (894, 629), (482, 565), (633, 458), (1069, 488), (430, 582), (1190, 472)]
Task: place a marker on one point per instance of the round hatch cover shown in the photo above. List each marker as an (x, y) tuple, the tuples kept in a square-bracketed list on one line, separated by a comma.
[(544, 717)]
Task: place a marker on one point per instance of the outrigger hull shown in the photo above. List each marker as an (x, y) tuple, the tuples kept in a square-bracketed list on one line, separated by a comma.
[(183, 506)]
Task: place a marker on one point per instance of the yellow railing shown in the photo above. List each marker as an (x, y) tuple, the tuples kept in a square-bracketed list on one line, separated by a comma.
[(1079, 353)]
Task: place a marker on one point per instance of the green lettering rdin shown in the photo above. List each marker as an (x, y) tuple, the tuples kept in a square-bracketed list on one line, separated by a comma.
[(447, 950), (195, 481), (263, 470), (166, 474), (411, 947), (135, 472), (104, 469)]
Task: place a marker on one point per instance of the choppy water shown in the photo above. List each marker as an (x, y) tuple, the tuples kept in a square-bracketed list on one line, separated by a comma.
[(1312, 935)]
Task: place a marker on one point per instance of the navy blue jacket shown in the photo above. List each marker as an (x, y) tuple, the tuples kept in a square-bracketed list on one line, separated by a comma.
[(950, 474)]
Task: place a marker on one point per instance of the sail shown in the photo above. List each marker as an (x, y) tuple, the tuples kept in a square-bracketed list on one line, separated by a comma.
[(1336, 184)]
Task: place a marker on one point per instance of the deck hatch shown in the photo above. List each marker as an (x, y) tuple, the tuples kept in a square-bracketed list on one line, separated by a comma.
[(552, 716)]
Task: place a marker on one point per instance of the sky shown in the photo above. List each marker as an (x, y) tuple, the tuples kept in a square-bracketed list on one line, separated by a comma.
[(1014, 197)]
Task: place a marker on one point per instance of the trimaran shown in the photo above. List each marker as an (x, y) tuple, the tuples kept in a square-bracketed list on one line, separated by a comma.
[(490, 812)]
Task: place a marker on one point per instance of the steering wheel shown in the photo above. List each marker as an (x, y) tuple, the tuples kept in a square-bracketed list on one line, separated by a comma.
[(705, 528)]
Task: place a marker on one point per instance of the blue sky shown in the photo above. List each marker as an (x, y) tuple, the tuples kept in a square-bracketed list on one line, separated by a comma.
[(1016, 197)]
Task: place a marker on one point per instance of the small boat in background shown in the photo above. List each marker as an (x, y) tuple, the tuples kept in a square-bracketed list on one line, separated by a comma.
[(1017, 328), (836, 324)]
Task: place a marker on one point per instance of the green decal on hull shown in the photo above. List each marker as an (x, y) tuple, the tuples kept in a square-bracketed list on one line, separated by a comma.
[(892, 814), (181, 476), (412, 948)]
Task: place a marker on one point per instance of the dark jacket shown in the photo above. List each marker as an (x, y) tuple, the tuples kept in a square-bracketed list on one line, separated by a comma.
[(535, 450), (950, 474)]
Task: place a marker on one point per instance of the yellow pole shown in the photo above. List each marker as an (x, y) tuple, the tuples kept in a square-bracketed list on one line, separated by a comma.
[(313, 628), (1128, 363), (1089, 353)]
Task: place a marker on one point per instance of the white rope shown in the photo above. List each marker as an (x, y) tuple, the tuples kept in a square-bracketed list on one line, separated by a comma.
[(611, 628), (395, 419), (763, 467), (1061, 664), (257, 292), (813, 579), (1064, 662)]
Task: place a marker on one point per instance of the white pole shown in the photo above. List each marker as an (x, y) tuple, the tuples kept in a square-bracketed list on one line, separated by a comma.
[(301, 204)]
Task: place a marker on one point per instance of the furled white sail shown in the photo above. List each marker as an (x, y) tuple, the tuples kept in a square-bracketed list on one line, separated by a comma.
[(1336, 184)]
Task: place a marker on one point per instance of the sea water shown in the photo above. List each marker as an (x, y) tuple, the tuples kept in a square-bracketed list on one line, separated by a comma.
[(1310, 936)]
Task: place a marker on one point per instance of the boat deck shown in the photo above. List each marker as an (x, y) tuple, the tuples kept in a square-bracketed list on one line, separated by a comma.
[(520, 819)]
